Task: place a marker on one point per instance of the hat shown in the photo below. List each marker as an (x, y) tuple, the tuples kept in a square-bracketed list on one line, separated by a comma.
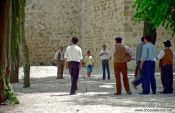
[(167, 43), (118, 39)]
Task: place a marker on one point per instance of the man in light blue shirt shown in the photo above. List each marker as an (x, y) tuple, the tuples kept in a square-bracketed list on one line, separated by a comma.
[(147, 65)]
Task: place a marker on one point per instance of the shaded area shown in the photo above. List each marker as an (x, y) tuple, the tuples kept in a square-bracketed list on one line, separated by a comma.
[(50, 95)]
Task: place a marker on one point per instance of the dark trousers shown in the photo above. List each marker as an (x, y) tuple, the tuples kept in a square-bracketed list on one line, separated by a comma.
[(74, 68), (139, 78), (167, 78), (60, 69), (149, 77), (105, 66)]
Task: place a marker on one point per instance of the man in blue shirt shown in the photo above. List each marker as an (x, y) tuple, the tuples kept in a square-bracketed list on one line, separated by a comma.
[(147, 65)]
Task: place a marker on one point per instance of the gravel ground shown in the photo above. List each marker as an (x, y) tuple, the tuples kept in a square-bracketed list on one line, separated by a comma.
[(50, 95)]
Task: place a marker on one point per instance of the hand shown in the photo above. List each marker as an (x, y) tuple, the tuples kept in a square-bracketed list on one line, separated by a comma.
[(80, 66), (141, 64)]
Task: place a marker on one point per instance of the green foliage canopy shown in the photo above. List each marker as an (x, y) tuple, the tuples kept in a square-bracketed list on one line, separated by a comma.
[(156, 12)]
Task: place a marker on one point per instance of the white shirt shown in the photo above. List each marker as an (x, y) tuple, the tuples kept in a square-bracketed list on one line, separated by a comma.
[(56, 55), (73, 53), (129, 50), (162, 53), (105, 54)]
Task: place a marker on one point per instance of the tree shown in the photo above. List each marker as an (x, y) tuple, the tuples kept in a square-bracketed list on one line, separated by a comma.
[(15, 40), (25, 50), (155, 13), (6, 92)]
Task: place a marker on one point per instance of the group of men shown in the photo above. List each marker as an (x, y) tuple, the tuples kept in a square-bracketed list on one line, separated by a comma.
[(146, 56)]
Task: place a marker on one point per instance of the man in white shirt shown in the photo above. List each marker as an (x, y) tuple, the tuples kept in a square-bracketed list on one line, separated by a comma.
[(59, 60), (105, 57), (73, 61)]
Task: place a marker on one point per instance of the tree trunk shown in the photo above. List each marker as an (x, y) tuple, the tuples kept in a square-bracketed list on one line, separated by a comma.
[(149, 29), (25, 50), (15, 43), (4, 29)]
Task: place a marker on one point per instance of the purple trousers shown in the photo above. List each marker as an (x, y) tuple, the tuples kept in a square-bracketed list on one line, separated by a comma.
[(74, 68)]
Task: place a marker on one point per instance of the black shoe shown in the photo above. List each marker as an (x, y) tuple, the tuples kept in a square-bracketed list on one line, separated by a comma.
[(72, 93), (103, 79), (144, 93), (164, 92), (135, 87), (129, 93), (108, 78), (117, 94)]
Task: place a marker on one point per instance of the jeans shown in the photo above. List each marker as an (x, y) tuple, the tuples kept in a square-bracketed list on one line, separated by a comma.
[(105, 66)]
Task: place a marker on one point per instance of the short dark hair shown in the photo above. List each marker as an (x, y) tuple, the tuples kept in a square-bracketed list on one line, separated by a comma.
[(118, 40), (74, 40), (148, 38), (88, 52), (142, 39)]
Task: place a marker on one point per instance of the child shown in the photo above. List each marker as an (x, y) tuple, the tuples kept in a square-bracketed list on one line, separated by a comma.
[(89, 62)]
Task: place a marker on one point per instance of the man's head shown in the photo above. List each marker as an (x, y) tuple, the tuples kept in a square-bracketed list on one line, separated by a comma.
[(104, 46), (61, 48), (74, 40), (88, 53), (118, 40), (147, 38)]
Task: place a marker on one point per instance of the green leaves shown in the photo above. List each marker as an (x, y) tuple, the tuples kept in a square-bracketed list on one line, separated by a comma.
[(9, 93), (156, 12)]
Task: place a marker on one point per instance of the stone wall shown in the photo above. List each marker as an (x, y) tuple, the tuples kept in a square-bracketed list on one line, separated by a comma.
[(50, 24), (101, 24)]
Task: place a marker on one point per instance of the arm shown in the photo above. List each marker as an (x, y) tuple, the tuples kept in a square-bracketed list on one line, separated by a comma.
[(161, 54), (55, 57), (81, 58), (143, 56), (130, 51), (66, 56), (101, 53)]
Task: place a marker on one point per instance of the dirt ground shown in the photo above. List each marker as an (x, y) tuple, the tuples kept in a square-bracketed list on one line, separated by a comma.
[(50, 95)]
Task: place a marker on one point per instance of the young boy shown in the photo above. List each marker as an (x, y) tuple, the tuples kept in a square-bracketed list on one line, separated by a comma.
[(89, 62)]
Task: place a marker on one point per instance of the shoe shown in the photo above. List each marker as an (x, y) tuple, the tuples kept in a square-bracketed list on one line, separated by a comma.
[(102, 79), (135, 87), (164, 92), (108, 78), (144, 93), (60, 78), (117, 94), (72, 93), (129, 93)]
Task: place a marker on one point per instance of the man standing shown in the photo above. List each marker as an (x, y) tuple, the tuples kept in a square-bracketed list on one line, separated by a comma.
[(166, 66), (138, 75), (138, 56), (73, 60), (59, 60), (105, 57), (147, 65), (121, 57)]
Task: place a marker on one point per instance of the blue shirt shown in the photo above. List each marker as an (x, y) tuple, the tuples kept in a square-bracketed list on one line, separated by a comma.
[(149, 52), (139, 51)]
